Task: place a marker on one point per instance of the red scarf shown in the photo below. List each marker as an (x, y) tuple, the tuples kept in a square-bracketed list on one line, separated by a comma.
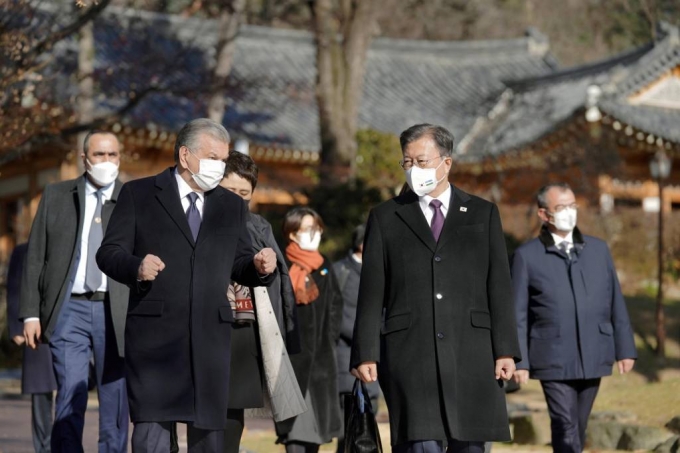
[(304, 263)]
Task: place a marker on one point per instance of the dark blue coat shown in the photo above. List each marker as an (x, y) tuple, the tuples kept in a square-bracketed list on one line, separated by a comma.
[(37, 374), (571, 317)]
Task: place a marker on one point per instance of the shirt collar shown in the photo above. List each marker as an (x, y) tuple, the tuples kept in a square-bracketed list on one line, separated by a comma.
[(184, 188), (106, 190), (569, 238), (444, 197)]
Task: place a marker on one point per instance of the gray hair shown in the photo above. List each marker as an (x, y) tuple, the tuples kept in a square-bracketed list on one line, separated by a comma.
[(189, 134), (541, 200), (441, 136)]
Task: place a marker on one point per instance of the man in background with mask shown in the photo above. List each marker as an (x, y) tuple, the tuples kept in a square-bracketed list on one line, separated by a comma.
[(571, 317), (435, 262), (177, 240), (68, 305)]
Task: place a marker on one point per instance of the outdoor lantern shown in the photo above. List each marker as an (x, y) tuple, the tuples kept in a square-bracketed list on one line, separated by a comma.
[(660, 166), (242, 146)]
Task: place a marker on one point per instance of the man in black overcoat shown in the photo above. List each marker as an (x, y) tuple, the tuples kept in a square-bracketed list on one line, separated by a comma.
[(37, 374), (177, 240), (435, 262)]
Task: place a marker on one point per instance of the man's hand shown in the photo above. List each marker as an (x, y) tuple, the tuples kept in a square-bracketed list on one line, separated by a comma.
[(265, 261), (150, 268), (32, 334), (521, 376), (625, 365), (18, 340), (505, 367), (367, 372)]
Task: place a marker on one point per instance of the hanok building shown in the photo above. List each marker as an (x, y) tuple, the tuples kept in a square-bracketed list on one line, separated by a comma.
[(270, 100), (596, 126)]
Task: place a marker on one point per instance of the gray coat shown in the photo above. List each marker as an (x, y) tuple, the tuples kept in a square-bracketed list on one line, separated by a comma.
[(571, 315), (53, 254), (448, 316)]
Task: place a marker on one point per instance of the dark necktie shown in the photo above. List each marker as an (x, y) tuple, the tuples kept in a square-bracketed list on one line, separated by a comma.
[(565, 248), (437, 219), (93, 276), (193, 216)]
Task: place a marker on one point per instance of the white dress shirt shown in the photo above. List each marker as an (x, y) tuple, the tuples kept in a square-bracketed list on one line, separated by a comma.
[(425, 200), (568, 239), (184, 190), (90, 206)]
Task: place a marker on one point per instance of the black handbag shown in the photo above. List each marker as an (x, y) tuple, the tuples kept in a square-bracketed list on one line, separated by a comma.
[(361, 428)]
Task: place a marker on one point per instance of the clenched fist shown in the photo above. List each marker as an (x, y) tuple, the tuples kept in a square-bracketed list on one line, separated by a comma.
[(265, 261), (150, 268)]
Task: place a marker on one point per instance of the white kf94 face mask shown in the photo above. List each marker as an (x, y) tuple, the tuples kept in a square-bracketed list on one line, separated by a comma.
[(309, 241), (565, 220), (423, 180), (103, 173), (210, 172)]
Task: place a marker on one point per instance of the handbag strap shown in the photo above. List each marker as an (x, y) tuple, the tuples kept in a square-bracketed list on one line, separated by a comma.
[(362, 399)]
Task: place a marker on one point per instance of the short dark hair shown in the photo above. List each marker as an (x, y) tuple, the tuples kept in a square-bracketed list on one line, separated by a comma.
[(90, 133), (242, 165), (441, 136), (293, 220), (190, 132), (541, 200), (358, 237)]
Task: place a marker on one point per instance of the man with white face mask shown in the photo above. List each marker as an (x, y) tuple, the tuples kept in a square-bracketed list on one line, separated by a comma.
[(177, 240), (571, 316), (67, 303), (435, 263)]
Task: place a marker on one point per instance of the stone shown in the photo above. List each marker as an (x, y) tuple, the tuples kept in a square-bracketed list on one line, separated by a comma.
[(674, 424), (614, 416), (603, 434), (643, 438), (672, 445), (530, 428)]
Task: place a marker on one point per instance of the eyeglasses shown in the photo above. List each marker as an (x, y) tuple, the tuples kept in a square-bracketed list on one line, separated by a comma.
[(420, 163), (562, 207)]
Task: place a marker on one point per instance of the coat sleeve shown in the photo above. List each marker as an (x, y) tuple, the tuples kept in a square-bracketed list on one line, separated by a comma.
[(499, 291), (35, 260), (624, 341), (291, 332), (520, 284), (115, 256), (335, 307), (366, 341), (243, 270), (14, 271)]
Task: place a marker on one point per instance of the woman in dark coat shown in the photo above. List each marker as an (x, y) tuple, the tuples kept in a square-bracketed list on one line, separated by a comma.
[(319, 310)]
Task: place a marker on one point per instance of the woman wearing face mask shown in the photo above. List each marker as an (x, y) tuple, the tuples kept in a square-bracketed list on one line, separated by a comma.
[(319, 309)]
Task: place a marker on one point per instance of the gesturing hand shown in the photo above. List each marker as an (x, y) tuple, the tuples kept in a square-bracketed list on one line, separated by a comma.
[(265, 261), (150, 268)]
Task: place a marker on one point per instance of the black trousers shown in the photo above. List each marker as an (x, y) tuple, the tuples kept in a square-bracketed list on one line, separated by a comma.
[(569, 406), (157, 437), (234, 430), (41, 421), (435, 446)]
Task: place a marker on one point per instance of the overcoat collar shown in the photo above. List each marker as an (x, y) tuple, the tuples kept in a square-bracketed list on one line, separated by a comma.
[(409, 211), (167, 194), (547, 240)]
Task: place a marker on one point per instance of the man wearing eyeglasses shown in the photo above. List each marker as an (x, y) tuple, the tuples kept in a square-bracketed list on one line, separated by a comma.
[(435, 262), (571, 317)]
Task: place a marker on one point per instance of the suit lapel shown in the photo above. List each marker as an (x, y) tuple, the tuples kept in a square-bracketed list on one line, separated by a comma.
[(107, 207), (167, 194), (412, 215), (80, 194), (455, 216), (211, 213)]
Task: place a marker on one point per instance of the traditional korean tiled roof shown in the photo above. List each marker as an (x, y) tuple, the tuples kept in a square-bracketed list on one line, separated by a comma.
[(271, 94), (530, 109)]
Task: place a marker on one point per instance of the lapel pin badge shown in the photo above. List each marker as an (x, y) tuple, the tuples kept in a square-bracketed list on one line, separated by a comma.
[(463, 209)]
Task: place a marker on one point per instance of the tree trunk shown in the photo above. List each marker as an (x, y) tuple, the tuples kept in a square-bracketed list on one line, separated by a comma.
[(230, 21), (85, 104), (341, 52)]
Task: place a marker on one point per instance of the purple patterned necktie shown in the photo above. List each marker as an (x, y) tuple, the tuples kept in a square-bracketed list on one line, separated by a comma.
[(193, 216), (437, 219)]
